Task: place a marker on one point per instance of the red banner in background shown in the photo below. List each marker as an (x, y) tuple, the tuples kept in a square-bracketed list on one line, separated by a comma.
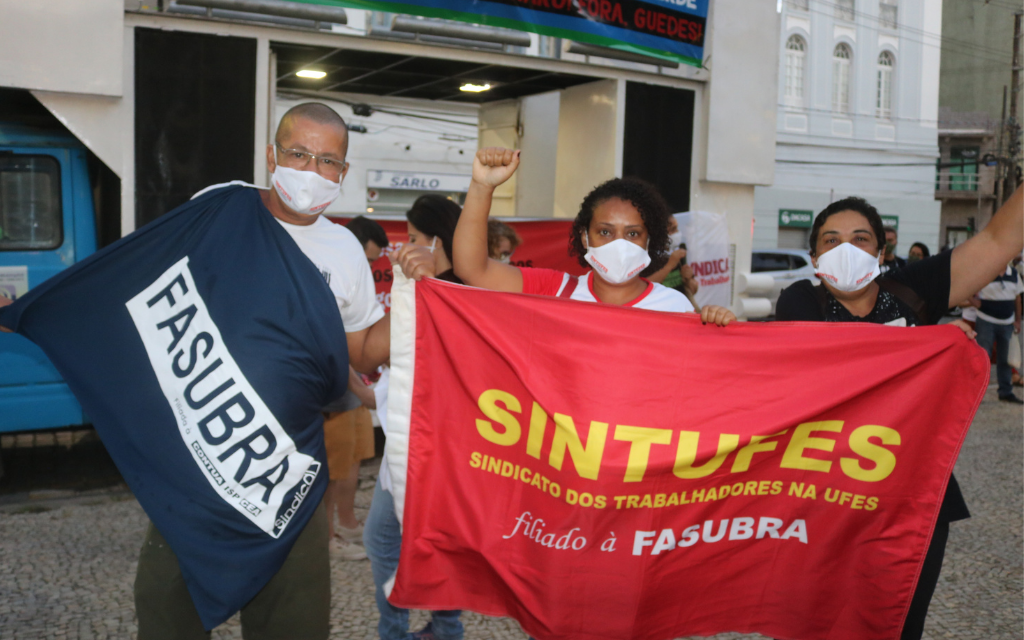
[(545, 244), (605, 473)]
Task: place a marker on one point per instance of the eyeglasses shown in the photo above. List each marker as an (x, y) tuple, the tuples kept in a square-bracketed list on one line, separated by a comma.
[(328, 166)]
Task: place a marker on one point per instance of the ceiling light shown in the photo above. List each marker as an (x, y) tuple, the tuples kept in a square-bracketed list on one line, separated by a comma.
[(369, 209), (474, 88), (310, 73)]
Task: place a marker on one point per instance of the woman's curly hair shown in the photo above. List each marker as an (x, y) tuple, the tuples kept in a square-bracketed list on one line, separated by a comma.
[(653, 210)]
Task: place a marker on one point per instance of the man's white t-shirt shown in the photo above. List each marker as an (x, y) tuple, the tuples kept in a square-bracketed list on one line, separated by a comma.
[(341, 260), (339, 257), (1003, 290)]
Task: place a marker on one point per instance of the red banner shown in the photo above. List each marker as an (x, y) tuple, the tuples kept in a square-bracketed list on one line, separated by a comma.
[(598, 472), (545, 244)]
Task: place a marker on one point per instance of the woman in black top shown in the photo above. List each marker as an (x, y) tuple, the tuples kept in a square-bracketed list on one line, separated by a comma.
[(916, 295), (431, 221)]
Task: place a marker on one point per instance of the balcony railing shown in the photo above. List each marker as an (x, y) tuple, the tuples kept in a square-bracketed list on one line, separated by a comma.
[(956, 181)]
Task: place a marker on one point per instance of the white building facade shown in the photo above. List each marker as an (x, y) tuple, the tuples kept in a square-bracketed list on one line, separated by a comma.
[(858, 115)]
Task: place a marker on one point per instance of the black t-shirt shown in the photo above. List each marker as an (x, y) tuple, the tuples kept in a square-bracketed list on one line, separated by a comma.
[(896, 263), (929, 280)]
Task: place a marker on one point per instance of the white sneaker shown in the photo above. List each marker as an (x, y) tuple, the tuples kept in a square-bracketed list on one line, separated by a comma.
[(346, 550), (351, 535)]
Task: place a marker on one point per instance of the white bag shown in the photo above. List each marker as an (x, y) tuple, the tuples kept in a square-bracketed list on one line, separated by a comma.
[(1015, 355), (707, 253)]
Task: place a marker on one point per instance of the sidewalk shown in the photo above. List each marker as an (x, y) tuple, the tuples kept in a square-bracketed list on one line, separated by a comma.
[(67, 562)]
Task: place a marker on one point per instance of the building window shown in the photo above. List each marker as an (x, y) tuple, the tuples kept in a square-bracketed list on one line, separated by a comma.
[(841, 78), (844, 10), (962, 172), (887, 13), (795, 52), (802, 5), (885, 66), (31, 216)]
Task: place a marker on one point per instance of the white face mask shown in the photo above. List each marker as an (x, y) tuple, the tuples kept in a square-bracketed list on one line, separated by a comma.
[(505, 259), (305, 192), (847, 268), (617, 261), (674, 240)]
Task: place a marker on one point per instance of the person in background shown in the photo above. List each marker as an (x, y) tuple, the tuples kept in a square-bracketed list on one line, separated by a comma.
[(348, 439), (676, 274), (891, 260), (1018, 379), (502, 241), (371, 235), (348, 430), (918, 251), (431, 221), (846, 241), (431, 224), (998, 318)]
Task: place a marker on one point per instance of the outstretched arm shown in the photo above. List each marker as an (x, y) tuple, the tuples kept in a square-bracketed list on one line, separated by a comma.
[(491, 167), (978, 261)]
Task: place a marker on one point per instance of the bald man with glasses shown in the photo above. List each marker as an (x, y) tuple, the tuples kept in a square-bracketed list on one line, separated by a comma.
[(308, 164)]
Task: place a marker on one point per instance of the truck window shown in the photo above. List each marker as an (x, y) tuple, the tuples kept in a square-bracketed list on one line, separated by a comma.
[(30, 203)]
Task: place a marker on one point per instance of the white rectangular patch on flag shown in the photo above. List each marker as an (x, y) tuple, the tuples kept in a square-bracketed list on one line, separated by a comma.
[(238, 444)]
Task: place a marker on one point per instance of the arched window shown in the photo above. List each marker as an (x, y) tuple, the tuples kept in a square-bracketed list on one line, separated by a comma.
[(795, 52), (841, 59), (885, 66)]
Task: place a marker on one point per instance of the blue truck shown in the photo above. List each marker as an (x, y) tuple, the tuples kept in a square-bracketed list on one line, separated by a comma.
[(47, 224)]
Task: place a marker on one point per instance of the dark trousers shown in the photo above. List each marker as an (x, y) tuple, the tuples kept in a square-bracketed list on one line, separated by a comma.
[(914, 626), (999, 335), (295, 604)]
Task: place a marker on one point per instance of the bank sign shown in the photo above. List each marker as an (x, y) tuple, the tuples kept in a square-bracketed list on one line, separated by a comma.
[(795, 218), (417, 181), (891, 221), (668, 29)]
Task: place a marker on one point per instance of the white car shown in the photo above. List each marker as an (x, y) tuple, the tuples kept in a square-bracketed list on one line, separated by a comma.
[(786, 266)]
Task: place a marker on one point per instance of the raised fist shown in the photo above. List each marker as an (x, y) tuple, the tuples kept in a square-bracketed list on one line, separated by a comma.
[(494, 165)]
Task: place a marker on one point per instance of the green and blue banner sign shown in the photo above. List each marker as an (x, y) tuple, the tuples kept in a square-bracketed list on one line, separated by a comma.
[(667, 29)]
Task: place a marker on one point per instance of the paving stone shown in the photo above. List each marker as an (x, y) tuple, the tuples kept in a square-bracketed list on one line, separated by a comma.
[(68, 572)]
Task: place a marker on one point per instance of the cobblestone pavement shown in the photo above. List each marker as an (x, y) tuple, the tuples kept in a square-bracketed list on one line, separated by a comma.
[(67, 566)]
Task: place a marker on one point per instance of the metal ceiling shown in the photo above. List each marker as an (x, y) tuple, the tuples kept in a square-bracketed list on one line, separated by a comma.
[(388, 74)]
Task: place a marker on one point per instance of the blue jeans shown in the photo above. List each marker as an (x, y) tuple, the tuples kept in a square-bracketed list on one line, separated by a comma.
[(382, 537), (999, 334)]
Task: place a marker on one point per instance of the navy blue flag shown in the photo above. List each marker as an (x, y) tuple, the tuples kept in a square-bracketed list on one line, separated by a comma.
[(203, 347)]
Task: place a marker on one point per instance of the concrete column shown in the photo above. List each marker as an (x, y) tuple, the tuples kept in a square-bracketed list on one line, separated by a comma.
[(590, 132), (535, 196), (499, 127), (263, 112)]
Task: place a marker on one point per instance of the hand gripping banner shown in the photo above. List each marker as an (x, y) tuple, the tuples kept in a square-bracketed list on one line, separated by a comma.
[(597, 472), (203, 347)]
